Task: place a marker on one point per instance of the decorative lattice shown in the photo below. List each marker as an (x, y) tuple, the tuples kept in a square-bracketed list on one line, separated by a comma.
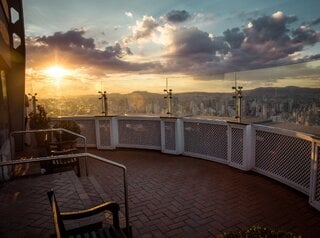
[(285, 156), (105, 132), (206, 139), (237, 145), (317, 194), (139, 132), (170, 135), (88, 130)]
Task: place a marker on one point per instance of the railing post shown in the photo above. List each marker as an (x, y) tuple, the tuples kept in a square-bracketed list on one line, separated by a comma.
[(248, 147), (163, 135), (314, 197), (97, 130), (177, 147), (114, 132), (229, 144), (179, 136)]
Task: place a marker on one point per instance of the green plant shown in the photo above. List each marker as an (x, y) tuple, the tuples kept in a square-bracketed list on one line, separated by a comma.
[(39, 120), (70, 125), (257, 232)]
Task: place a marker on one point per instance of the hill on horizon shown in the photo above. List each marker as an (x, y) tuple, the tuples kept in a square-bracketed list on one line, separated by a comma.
[(262, 91)]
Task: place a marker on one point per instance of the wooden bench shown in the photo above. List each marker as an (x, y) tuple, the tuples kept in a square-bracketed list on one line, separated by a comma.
[(91, 230), (62, 148)]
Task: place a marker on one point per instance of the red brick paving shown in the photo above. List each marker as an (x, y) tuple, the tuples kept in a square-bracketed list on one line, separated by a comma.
[(169, 196), (178, 196)]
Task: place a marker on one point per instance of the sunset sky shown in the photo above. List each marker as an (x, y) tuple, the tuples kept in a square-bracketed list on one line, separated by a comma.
[(80, 47)]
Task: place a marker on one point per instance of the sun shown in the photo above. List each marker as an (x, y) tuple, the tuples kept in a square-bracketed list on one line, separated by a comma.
[(56, 72)]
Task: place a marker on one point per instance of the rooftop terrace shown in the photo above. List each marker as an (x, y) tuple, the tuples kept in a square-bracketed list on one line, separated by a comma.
[(169, 196), (179, 193)]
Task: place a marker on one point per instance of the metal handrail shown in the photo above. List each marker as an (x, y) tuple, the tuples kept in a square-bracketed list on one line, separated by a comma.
[(50, 130), (79, 155)]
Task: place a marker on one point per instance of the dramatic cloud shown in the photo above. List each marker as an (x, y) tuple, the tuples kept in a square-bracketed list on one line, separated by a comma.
[(73, 47), (143, 29), (266, 41), (269, 41), (234, 37), (305, 36), (73, 38), (177, 16), (190, 41)]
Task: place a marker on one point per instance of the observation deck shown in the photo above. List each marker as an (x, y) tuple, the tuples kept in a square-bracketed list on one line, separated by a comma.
[(186, 178)]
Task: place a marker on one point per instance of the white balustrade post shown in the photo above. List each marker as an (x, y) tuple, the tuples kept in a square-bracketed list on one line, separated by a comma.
[(248, 148), (163, 135), (314, 173), (98, 136), (179, 136), (114, 132)]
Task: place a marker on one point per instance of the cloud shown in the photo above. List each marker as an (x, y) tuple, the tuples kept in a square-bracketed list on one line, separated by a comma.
[(315, 22), (176, 16), (143, 30), (72, 38), (129, 14), (190, 41), (73, 47), (305, 36), (234, 37), (267, 41)]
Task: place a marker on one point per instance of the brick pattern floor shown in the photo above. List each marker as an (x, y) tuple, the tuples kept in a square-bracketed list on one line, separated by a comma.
[(169, 196), (178, 196), (24, 205)]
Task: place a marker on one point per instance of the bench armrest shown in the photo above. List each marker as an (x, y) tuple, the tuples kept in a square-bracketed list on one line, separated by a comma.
[(113, 207), (110, 206)]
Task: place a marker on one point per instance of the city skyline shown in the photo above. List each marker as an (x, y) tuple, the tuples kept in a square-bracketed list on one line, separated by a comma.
[(81, 47), (291, 105)]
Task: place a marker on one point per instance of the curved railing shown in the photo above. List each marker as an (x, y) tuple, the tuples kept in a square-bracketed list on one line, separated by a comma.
[(287, 156), (12, 134), (81, 155)]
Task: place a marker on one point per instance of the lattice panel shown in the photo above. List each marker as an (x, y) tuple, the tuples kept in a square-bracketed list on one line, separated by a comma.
[(170, 135), (317, 195), (139, 132), (237, 145), (284, 156), (105, 132), (206, 139), (87, 128)]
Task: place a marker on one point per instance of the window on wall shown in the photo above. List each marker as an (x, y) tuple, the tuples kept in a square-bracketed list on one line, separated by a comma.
[(4, 120)]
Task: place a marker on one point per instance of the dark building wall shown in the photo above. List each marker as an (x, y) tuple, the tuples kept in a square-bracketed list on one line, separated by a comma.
[(12, 69)]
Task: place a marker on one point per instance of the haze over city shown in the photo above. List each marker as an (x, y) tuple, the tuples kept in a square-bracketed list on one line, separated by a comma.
[(80, 47)]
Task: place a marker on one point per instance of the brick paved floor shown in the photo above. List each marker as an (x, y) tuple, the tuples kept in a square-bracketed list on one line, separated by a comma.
[(177, 196), (169, 196)]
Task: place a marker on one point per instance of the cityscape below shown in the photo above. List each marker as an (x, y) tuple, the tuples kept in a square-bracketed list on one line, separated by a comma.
[(299, 106)]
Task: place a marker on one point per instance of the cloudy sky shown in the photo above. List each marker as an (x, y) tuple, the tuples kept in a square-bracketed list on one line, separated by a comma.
[(80, 47)]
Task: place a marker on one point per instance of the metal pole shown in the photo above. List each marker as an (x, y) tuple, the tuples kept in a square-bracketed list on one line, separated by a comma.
[(104, 102), (238, 97), (168, 98)]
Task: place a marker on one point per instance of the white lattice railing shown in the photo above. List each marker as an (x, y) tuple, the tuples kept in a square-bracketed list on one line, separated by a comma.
[(206, 139), (283, 155)]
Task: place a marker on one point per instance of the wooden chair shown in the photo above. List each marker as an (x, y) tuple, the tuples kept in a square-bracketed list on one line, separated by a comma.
[(90, 230)]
